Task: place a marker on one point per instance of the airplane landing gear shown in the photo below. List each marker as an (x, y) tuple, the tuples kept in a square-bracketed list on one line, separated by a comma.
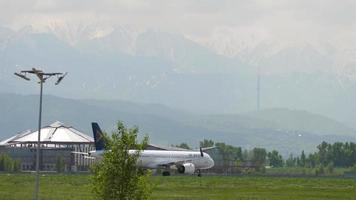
[(199, 173)]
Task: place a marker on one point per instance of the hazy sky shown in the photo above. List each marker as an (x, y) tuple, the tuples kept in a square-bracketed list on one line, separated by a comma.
[(286, 20), (328, 25), (223, 25)]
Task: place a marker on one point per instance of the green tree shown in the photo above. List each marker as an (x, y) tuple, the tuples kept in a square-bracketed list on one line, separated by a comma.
[(291, 161), (6, 163), (323, 153), (118, 176), (341, 154), (302, 159), (206, 143), (259, 157), (275, 159), (312, 160)]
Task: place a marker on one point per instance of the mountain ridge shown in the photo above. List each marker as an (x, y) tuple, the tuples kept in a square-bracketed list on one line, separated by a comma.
[(163, 125)]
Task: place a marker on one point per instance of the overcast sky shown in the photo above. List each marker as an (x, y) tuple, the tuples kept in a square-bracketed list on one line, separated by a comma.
[(318, 22), (326, 20)]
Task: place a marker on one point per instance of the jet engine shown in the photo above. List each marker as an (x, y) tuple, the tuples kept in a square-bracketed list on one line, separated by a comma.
[(186, 168)]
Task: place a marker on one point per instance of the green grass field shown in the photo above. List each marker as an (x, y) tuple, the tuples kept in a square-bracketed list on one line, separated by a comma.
[(21, 186)]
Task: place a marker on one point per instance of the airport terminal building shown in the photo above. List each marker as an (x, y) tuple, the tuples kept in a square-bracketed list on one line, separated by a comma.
[(58, 142)]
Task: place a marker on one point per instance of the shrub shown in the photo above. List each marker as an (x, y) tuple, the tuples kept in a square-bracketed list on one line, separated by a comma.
[(117, 176), (7, 163)]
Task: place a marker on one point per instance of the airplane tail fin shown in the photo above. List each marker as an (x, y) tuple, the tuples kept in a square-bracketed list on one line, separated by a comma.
[(98, 136)]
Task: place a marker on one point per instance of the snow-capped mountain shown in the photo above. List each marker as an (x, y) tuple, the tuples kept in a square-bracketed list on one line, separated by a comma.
[(159, 67), (251, 47), (116, 40), (275, 57)]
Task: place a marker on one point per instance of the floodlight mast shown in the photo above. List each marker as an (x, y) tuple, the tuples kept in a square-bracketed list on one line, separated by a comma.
[(42, 78)]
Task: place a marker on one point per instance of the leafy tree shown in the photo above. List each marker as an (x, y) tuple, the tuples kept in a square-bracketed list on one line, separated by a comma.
[(7, 163), (323, 153), (275, 159), (291, 161), (302, 159), (340, 154), (118, 176), (206, 143), (259, 156), (312, 160), (230, 154)]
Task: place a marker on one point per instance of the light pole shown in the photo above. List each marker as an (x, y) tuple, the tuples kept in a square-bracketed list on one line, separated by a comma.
[(42, 76)]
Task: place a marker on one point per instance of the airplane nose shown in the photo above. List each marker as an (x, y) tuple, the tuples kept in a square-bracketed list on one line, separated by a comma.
[(211, 162)]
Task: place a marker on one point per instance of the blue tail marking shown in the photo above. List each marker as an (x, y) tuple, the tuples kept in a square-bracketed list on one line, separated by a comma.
[(98, 137)]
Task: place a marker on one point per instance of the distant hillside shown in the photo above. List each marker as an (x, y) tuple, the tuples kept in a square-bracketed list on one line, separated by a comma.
[(298, 120), (167, 126)]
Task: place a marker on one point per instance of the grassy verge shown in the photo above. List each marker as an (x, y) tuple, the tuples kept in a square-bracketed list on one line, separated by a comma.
[(303, 171), (20, 186)]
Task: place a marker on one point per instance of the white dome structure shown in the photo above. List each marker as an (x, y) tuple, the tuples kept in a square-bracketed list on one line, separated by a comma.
[(56, 133), (58, 141)]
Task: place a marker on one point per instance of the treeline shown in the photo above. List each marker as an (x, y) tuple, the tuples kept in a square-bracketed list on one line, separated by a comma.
[(338, 154), (232, 156), (328, 155), (7, 164)]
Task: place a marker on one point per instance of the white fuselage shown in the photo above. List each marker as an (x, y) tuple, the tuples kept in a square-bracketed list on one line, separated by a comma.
[(153, 159)]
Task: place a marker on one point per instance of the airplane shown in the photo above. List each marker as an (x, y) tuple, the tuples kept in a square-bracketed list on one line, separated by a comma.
[(185, 162)]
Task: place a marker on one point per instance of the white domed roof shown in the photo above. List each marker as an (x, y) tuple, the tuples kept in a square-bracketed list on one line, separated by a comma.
[(54, 133)]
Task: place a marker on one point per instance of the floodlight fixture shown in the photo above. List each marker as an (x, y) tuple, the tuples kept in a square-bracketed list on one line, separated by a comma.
[(60, 78), (22, 76)]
